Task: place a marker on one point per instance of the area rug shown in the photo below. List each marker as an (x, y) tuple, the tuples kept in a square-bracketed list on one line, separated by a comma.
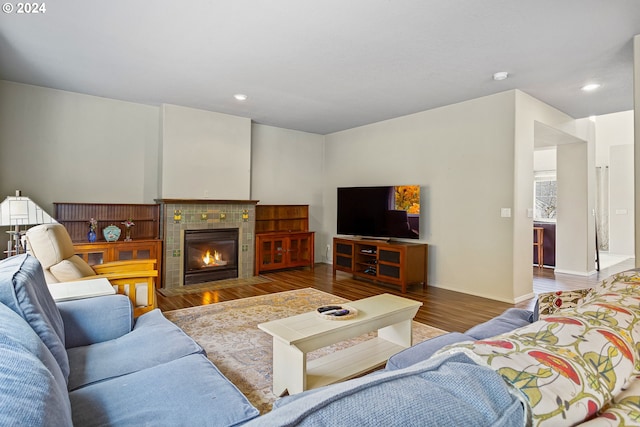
[(213, 286), (229, 333)]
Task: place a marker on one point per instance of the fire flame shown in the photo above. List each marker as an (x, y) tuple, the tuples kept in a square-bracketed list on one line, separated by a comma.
[(209, 259)]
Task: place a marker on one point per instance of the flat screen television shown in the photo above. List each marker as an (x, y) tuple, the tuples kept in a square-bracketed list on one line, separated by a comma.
[(385, 211)]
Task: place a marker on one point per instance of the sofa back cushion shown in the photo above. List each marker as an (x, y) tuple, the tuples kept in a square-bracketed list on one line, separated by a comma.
[(24, 290), (50, 243), (33, 390)]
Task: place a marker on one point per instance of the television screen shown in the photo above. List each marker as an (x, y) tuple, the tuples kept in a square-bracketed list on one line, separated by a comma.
[(390, 211)]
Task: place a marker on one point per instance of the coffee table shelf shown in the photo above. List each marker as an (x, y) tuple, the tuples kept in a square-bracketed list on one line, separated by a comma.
[(293, 337), (350, 362)]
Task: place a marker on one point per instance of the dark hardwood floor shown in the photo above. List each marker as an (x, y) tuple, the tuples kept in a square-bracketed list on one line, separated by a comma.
[(444, 309)]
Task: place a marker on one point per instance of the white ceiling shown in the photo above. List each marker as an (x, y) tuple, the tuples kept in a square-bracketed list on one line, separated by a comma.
[(327, 65)]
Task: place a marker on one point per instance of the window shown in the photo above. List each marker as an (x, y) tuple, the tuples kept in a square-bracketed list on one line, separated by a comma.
[(544, 196)]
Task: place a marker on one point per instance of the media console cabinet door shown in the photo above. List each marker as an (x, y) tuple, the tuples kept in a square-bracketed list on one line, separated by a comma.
[(343, 255)]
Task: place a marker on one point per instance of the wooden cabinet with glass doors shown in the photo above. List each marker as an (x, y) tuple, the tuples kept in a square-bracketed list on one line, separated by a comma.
[(283, 239), (284, 250)]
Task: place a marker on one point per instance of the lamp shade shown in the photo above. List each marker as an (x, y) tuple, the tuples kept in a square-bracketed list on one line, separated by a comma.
[(21, 210)]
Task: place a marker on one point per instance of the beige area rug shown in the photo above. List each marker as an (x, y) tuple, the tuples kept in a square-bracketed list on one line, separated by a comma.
[(229, 333), (213, 286)]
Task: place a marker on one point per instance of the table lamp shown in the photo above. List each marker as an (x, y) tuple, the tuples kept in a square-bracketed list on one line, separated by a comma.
[(16, 211)]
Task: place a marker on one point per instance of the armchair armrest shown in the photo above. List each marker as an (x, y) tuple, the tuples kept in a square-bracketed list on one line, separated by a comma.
[(92, 320), (128, 282), (125, 266)]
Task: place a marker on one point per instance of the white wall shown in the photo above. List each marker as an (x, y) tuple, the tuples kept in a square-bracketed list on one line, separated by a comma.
[(573, 225), (59, 146), (611, 130), (462, 156), (621, 214), (614, 141), (287, 168), (544, 159), (205, 155)]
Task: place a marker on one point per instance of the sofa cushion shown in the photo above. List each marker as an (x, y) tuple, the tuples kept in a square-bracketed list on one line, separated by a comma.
[(24, 290), (623, 411), (424, 350), (91, 320), (443, 391), (512, 318), (154, 340), (189, 391), (33, 390)]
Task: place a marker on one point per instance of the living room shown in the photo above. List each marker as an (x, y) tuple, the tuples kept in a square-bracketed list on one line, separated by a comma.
[(188, 138), (280, 166), (171, 150)]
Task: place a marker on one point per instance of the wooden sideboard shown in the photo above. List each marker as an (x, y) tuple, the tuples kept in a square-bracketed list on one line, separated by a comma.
[(145, 234), (397, 263), (284, 250), (283, 239)]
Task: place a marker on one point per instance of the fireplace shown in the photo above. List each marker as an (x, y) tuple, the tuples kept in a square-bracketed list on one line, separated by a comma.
[(179, 215), (210, 254)]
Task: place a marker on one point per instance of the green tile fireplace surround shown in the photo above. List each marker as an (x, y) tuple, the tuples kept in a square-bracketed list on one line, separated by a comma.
[(178, 215)]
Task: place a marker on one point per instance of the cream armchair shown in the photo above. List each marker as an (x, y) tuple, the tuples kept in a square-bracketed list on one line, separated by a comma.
[(52, 246)]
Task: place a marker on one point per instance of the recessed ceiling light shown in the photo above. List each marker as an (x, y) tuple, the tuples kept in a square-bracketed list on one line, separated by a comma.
[(500, 75), (590, 87), (240, 96)]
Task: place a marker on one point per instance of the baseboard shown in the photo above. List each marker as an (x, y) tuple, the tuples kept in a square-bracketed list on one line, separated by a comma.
[(509, 301), (524, 297), (575, 273)]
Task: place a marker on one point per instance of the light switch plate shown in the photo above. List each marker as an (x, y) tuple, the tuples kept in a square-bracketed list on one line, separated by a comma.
[(505, 212)]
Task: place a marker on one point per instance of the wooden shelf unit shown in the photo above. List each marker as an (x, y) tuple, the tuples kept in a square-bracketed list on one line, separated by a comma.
[(145, 234), (274, 218), (396, 263), (283, 239), (75, 217)]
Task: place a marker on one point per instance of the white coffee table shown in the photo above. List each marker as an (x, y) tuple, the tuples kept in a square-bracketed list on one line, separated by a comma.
[(295, 336)]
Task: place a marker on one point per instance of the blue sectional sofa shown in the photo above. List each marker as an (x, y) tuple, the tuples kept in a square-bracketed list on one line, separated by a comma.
[(89, 363)]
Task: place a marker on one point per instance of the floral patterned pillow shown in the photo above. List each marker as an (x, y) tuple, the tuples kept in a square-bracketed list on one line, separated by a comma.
[(552, 302)]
